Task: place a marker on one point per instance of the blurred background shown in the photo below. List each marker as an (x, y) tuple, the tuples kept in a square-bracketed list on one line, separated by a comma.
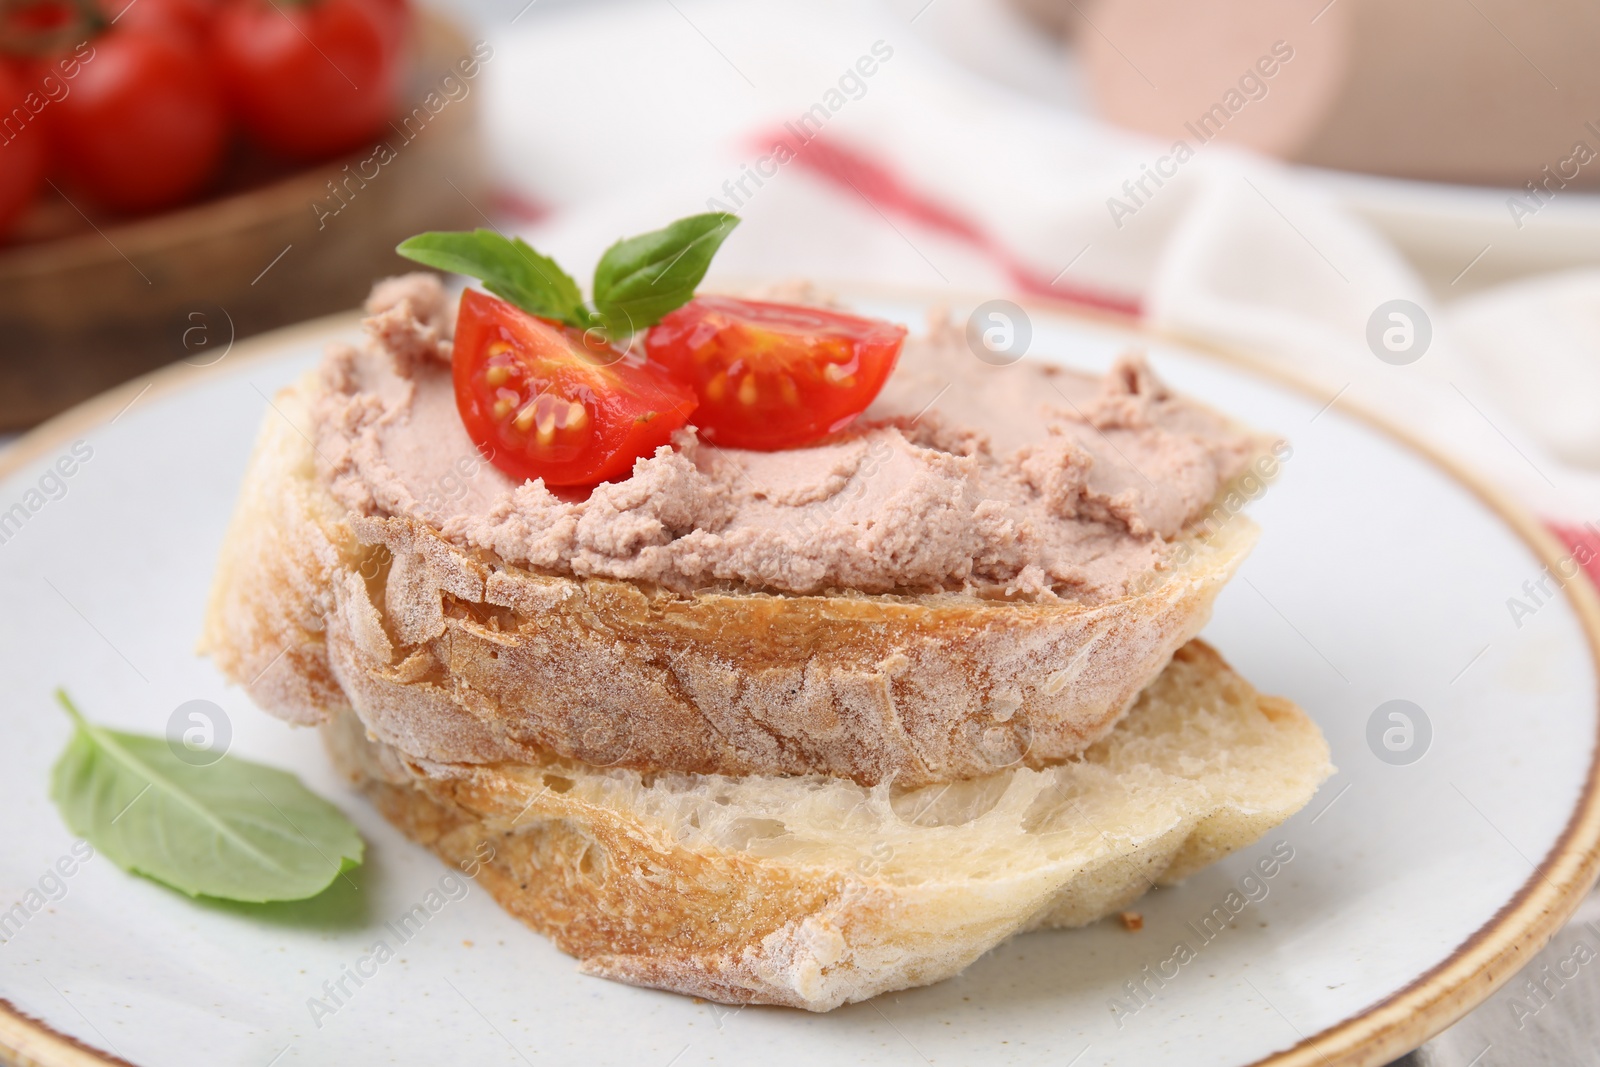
[(158, 155), (1396, 199)]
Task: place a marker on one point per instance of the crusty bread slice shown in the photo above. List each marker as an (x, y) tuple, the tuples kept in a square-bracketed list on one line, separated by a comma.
[(459, 657), (815, 892)]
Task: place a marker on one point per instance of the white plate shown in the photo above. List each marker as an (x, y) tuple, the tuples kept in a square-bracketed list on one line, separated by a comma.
[(1412, 890)]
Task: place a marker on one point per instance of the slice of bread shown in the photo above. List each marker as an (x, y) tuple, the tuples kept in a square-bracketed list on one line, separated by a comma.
[(815, 892), (458, 657)]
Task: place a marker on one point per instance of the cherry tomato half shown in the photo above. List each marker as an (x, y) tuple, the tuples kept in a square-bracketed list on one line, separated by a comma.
[(23, 155), (313, 78), (773, 376), (144, 126), (545, 404)]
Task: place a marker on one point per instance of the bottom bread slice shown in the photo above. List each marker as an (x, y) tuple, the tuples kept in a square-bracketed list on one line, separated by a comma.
[(815, 892)]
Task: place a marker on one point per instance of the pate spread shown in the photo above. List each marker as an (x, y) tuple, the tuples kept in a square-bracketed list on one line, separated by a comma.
[(1028, 480)]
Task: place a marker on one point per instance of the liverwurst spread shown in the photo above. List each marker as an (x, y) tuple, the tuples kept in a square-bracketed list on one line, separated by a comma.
[(1028, 481)]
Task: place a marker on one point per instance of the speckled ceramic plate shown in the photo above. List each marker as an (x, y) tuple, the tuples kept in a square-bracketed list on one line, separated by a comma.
[(1451, 843)]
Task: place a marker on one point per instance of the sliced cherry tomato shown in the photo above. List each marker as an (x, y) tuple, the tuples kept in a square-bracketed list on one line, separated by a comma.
[(144, 125), (23, 154), (544, 403), (773, 376), (313, 78)]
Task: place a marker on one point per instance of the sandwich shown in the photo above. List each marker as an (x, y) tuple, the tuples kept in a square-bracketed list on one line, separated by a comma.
[(750, 648)]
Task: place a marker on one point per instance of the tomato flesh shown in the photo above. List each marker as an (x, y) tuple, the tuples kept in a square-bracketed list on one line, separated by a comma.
[(771, 376), (543, 402)]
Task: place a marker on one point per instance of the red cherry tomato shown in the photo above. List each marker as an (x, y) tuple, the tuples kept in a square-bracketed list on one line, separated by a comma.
[(144, 126), (773, 376), (543, 403), (193, 17), (37, 35), (23, 155), (311, 79), (401, 18)]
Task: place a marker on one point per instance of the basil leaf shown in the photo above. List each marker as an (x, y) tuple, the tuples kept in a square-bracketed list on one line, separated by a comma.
[(640, 279), (508, 268), (232, 829)]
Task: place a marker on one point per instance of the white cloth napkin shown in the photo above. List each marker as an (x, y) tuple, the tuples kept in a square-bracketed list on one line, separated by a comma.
[(617, 118)]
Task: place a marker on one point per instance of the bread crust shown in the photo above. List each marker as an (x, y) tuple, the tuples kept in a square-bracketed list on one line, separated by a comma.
[(813, 893), (458, 657)]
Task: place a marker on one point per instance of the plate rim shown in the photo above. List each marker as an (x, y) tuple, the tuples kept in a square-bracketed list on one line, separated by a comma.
[(1375, 1035)]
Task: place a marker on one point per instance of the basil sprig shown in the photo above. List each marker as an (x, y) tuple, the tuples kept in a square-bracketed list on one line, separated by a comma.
[(637, 281), (231, 829)]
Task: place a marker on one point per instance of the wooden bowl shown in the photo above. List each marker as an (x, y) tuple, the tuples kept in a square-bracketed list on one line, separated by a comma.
[(86, 304)]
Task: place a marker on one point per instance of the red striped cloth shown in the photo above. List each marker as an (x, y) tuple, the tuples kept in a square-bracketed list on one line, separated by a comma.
[(885, 190), (1584, 544)]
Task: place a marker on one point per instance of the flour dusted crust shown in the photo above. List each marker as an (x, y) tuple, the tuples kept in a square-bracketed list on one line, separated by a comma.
[(814, 892), (454, 656)]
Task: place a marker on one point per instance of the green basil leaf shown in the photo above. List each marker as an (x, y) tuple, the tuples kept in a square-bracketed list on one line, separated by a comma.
[(508, 268), (232, 829), (640, 279)]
